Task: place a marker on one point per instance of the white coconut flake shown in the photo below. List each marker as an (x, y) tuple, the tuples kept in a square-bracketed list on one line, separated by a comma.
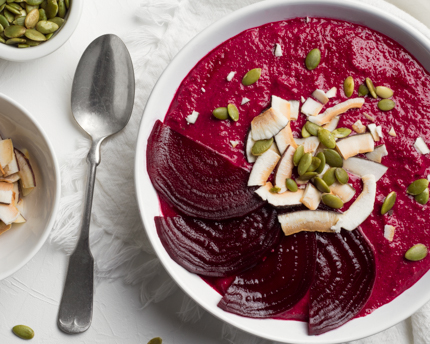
[(331, 92), (294, 109), (392, 132), (245, 100), (389, 232), (421, 146), (379, 131), (234, 143), (278, 50), (311, 107), (230, 76), (307, 20), (191, 119), (373, 131), (358, 127), (302, 99)]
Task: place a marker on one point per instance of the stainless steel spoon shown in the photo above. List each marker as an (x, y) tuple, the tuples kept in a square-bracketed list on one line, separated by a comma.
[(102, 102)]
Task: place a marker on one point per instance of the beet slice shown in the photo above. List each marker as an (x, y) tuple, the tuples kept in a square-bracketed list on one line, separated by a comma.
[(344, 278), (196, 180), (219, 248), (276, 284)]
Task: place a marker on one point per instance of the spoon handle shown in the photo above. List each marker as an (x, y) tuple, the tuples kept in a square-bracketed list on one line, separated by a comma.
[(76, 308)]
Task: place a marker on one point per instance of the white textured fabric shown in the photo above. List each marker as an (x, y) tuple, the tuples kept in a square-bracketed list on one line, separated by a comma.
[(118, 241)]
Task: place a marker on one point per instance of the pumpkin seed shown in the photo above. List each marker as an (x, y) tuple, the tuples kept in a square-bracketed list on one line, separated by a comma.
[(305, 133), (326, 138), (42, 14), (57, 20), (9, 16), (251, 77), (298, 154), (19, 21), (275, 189), (321, 185), (9, 1), (13, 41), (348, 86), (3, 21), (332, 201), (320, 168), (23, 331), (43, 4), (312, 128), (48, 36), (14, 31), (304, 163), (23, 46), (13, 9), (232, 110), (35, 35), (67, 2), (333, 158), (32, 43), (291, 185), (341, 175), (384, 92), (371, 88), (417, 187), (51, 8), (2, 40), (31, 19), (313, 59), (61, 9), (34, 2), (416, 253), (423, 197), (314, 164), (30, 8), (307, 176), (329, 177), (1, 28), (2, 2), (261, 146), (156, 340), (341, 132), (388, 202), (220, 113), (363, 90), (386, 104)]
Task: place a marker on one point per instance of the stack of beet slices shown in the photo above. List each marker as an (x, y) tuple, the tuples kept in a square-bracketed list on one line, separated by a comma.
[(223, 230)]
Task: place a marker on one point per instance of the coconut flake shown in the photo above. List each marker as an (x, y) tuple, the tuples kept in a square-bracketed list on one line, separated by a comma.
[(249, 144), (370, 118), (234, 143), (379, 131), (373, 131), (332, 125), (264, 191), (307, 20), (284, 139), (344, 191), (302, 99), (421, 146), (356, 144), (309, 221), (320, 96), (310, 144), (358, 127), (245, 100), (360, 167), (392, 132), (311, 197), (389, 232), (311, 107), (285, 199), (331, 93), (203, 90), (294, 109), (278, 50), (192, 118), (337, 110), (281, 105), (263, 167), (268, 124), (378, 153), (285, 168), (230, 76)]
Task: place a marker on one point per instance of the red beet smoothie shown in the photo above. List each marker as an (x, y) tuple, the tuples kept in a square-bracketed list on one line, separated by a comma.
[(346, 49)]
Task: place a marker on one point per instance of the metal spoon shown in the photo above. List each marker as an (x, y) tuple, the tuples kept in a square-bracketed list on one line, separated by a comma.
[(102, 102)]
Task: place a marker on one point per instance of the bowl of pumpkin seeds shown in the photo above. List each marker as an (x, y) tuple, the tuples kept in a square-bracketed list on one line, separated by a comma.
[(30, 29)]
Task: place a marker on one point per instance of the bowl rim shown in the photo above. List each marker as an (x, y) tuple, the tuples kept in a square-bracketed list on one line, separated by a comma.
[(20, 55), (141, 175), (48, 227)]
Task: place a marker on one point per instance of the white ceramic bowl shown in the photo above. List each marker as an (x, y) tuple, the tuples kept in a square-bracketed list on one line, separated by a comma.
[(22, 242), (157, 106), (12, 53)]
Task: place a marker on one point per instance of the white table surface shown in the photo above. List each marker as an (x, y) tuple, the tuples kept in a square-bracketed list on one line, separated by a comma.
[(31, 296)]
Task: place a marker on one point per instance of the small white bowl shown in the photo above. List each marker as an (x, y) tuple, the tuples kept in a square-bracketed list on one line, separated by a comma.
[(19, 244), (164, 91), (12, 53)]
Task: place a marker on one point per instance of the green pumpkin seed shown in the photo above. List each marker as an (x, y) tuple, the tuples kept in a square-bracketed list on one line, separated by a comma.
[(417, 187), (261, 146), (305, 133), (23, 46), (2, 7), (321, 185), (386, 104), (156, 340), (3, 21), (312, 128), (2, 40), (9, 1), (313, 59), (388, 202), (9, 16), (46, 27), (251, 77), (304, 163), (23, 331), (384, 92), (326, 138), (416, 253), (348, 86), (423, 197), (43, 4), (1, 28), (13, 10), (35, 35), (51, 8), (19, 21), (34, 2), (291, 185), (298, 154), (340, 133), (220, 113), (13, 41), (314, 164), (371, 88), (232, 110), (48, 36), (320, 168), (30, 8), (275, 189), (307, 176), (341, 175), (2, 2), (57, 20), (329, 177), (363, 90), (42, 14), (32, 19), (61, 9), (332, 201), (14, 31), (32, 43), (67, 2), (333, 158)]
